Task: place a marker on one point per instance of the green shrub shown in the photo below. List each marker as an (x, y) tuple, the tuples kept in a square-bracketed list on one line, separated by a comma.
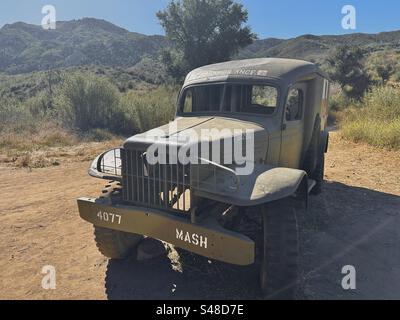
[(338, 104), (397, 76), (14, 116), (41, 105), (88, 102), (382, 103), (375, 120), (84, 105), (149, 109)]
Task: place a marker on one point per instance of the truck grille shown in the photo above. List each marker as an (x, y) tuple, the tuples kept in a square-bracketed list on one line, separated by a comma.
[(161, 186)]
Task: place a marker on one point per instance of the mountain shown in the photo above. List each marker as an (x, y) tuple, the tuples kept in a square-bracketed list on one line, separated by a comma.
[(26, 48), (318, 48)]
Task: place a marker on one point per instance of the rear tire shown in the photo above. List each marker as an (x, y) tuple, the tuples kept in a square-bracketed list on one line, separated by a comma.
[(111, 243), (314, 162), (318, 175), (280, 250)]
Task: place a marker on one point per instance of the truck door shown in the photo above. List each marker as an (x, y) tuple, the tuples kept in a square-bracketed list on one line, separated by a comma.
[(293, 126)]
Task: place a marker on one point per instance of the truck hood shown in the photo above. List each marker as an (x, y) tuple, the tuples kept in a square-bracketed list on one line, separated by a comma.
[(187, 131)]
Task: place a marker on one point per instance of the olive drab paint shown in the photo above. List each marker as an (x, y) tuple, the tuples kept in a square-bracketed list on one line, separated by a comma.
[(169, 174)]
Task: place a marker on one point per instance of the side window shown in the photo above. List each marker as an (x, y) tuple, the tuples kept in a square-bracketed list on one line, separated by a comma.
[(264, 96), (294, 105), (259, 99)]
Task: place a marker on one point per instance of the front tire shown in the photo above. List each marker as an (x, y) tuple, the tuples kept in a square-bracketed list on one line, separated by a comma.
[(111, 243), (115, 244), (280, 250)]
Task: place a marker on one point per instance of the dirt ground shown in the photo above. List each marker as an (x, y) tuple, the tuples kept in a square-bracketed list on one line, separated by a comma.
[(354, 222)]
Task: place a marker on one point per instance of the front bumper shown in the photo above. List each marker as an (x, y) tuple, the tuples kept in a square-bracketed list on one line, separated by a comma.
[(207, 238)]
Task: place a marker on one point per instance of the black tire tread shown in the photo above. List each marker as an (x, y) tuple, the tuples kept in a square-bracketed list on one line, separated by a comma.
[(115, 244), (279, 268), (111, 243), (314, 162)]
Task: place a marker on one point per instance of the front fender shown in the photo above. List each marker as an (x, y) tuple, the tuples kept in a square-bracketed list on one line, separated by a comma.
[(266, 184)]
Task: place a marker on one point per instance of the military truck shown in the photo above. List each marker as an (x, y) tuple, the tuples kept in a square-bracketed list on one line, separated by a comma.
[(274, 109)]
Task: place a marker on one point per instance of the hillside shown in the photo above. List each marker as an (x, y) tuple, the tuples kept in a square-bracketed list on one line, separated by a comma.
[(25, 48), (318, 48)]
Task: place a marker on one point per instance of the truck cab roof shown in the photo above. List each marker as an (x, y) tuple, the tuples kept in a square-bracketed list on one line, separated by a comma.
[(273, 69)]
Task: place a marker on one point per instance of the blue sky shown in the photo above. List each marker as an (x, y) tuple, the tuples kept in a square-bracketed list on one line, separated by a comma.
[(278, 18)]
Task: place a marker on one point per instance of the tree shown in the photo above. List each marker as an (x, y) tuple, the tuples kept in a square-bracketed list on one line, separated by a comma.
[(202, 32), (348, 69)]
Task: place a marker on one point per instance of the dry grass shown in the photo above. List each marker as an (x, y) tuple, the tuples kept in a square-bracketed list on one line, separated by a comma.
[(55, 156), (50, 145), (44, 136), (376, 120), (384, 134)]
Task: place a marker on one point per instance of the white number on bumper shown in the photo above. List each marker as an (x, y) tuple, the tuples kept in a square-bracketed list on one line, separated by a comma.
[(109, 217)]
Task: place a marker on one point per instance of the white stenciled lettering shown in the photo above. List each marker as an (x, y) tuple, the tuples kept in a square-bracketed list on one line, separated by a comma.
[(192, 238)]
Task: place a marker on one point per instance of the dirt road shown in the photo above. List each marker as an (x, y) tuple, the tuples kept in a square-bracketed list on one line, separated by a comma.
[(355, 222)]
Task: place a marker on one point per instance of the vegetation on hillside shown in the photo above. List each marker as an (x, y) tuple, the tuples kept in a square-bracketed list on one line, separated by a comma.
[(92, 42), (92, 80), (27, 48), (81, 105)]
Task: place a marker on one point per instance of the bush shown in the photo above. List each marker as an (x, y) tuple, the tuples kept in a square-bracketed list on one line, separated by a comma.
[(14, 116), (397, 76), (83, 106), (376, 120), (39, 105), (383, 103), (88, 102), (338, 105), (149, 109)]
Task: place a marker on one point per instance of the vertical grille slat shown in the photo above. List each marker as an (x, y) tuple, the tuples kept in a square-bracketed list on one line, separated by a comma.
[(183, 185), (132, 178), (165, 189), (162, 186), (154, 184), (141, 166), (159, 185), (177, 185)]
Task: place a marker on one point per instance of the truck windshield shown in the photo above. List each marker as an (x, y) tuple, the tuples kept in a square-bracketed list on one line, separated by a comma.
[(235, 98)]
